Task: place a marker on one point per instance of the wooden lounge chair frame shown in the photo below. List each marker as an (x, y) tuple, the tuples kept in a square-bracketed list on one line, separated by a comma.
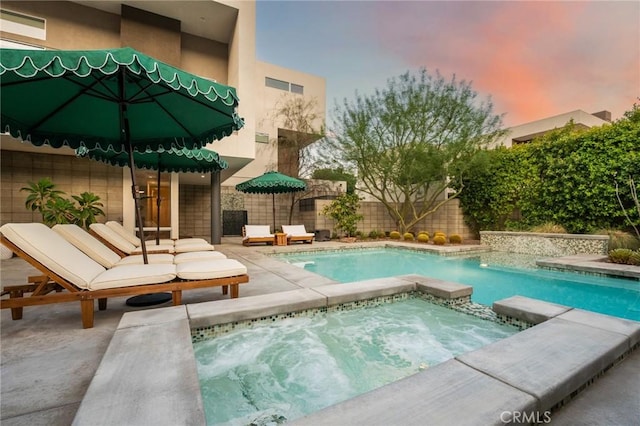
[(296, 238), (252, 240), (50, 288)]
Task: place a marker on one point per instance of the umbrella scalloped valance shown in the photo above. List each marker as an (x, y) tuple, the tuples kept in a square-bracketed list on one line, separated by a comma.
[(171, 160), (272, 183), (70, 98)]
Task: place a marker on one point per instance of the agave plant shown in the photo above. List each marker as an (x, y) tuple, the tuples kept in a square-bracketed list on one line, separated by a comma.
[(40, 193)]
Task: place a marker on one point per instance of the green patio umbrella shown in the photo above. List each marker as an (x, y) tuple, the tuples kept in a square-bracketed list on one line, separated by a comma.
[(164, 160), (117, 99), (272, 183)]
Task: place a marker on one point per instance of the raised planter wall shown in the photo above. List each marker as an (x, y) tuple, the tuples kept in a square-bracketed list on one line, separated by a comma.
[(545, 244)]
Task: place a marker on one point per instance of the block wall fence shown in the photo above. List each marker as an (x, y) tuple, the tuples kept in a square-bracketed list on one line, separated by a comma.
[(76, 175)]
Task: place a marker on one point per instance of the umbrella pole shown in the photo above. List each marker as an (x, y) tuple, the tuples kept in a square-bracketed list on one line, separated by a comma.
[(124, 126), (274, 212), (158, 201)]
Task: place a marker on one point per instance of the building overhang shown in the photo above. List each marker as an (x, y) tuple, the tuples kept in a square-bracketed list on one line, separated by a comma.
[(207, 19)]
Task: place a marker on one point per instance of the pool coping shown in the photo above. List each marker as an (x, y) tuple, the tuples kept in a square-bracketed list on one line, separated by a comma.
[(591, 264), (530, 372)]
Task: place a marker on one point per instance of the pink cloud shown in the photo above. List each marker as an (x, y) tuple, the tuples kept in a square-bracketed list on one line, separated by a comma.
[(536, 59)]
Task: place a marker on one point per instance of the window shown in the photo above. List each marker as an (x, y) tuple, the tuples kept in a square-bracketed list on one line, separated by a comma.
[(24, 25), (277, 84), (262, 137), (284, 85)]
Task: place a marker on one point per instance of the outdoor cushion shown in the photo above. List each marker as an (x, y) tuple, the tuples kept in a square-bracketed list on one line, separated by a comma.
[(197, 256), (189, 241), (102, 254), (88, 244), (296, 231), (121, 243), (54, 252), (133, 239), (152, 258), (131, 275), (251, 231), (154, 248), (119, 229), (210, 269), (184, 248)]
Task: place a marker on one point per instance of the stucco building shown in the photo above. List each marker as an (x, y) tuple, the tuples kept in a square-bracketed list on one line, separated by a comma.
[(212, 39)]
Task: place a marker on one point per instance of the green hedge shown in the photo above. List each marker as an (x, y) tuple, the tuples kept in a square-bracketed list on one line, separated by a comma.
[(566, 177)]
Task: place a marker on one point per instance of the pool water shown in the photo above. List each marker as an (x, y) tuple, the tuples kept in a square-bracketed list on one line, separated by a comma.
[(279, 371), (494, 276)]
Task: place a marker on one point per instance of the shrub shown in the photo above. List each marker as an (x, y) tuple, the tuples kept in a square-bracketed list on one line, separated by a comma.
[(408, 236), (423, 237), (56, 208), (394, 235), (383, 234), (620, 239), (634, 259), (359, 234), (439, 240), (549, 228), (455, 239), (344, 211), (373, 234), (620, 256)]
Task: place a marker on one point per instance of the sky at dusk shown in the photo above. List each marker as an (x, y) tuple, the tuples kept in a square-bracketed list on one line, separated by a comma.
[(535, 59)]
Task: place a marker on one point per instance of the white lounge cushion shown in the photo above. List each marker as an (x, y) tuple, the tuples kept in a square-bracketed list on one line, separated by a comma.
[(53, 252), (155, 249), (88, 244), (133, 239), (5, 252), (132, 275), (120, 230), (197, 256), (111, 236), (296, 231), (188, 241), (257, 231), (185, 248), (153, 258), (210, 269)]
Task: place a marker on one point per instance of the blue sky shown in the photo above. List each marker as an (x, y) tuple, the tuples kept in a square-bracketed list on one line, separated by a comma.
[(535, 59)]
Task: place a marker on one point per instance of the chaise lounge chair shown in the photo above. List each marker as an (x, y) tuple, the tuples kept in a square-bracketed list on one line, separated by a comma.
[(297, 233), (121, 245), (65, 267), (181, 245), (101, 253), (252, 234)]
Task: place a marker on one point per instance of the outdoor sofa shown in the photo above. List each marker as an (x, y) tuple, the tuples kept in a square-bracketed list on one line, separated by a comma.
[(70, 275)]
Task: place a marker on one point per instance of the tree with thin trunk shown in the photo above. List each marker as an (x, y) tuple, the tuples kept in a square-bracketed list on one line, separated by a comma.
[(409, 140)]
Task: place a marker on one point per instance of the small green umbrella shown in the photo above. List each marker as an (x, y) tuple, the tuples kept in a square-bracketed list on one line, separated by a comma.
[(164, 160), (272, 183), (118, 99)]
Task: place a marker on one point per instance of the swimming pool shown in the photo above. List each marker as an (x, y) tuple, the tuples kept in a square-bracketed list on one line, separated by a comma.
[(494, 276), (277, 371)]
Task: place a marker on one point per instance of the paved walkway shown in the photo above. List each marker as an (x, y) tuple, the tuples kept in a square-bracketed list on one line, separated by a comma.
[(48, 360)]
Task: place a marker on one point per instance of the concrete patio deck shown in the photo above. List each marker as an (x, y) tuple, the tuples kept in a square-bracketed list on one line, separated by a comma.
[(48, 360)]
